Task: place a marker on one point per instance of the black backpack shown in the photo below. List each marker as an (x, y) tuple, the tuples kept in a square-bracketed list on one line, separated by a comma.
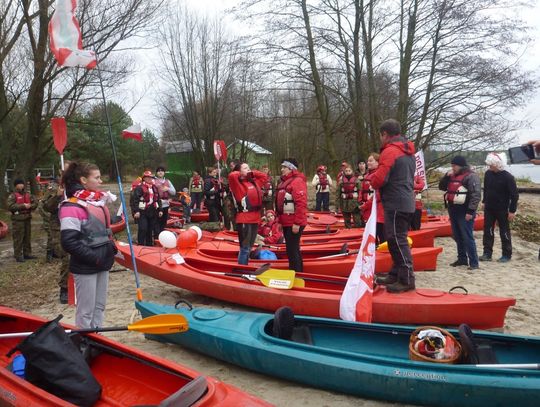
[(56, 365)]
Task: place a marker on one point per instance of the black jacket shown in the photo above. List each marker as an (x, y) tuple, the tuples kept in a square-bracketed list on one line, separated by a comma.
[(500, 192)]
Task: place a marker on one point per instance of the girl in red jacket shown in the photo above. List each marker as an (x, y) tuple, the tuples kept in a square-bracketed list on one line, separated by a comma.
[(245, 185), (291, 207), (271, 231), (366, 198)]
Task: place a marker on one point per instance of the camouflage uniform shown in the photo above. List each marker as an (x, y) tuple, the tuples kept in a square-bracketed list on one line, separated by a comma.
[(46, 218), (51, 202), (228, 205), (349, 207), (21, 219)]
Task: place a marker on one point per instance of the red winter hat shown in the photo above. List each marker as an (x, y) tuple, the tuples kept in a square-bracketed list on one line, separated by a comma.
[(148, 173), (270, 212)]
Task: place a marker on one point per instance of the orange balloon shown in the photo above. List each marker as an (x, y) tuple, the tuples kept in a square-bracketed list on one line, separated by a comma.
[(187, 239)]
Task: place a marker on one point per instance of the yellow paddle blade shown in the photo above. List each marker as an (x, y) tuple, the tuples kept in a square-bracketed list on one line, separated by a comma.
[(280, 279), (161, 324), (299, 283), (383, 247)]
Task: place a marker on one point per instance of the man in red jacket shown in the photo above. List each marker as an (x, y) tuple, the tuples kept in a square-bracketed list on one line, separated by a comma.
[(245, 185), (395, 178), (291, 207)]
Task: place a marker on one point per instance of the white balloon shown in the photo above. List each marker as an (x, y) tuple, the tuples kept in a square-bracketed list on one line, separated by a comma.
[(198, 230), (167, 239)]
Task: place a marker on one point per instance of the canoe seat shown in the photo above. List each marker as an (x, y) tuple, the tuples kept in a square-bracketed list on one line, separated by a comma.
[(188, 394), (285, 327), (474, 352)]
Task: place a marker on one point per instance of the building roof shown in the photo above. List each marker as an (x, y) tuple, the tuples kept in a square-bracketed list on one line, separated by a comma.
[(178, 146), (257, 149)]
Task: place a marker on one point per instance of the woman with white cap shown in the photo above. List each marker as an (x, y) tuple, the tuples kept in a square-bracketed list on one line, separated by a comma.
[(500, 205), (291, 207)]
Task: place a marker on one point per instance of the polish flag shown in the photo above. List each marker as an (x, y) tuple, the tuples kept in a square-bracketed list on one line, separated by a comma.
[(133, 132), (357, 298), (65, 37)]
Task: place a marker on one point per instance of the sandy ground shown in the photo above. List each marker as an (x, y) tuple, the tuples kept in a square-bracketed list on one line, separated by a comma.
[(518, 279)]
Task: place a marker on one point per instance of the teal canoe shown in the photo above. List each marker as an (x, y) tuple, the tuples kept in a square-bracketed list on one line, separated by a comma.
[(367, 360)]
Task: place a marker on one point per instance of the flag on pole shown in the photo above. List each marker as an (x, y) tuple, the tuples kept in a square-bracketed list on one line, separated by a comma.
[(420, 167), (133, 132), (65, 37), (356, 301)]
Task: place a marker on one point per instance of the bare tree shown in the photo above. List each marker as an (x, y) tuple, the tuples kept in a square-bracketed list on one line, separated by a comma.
[(197, 67)]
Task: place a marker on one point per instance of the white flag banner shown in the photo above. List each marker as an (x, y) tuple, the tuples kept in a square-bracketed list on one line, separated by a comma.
[(356, 301)]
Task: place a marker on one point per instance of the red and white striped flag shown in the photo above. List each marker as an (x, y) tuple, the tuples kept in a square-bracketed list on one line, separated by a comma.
[(133, 132), (356, 301), (65, 37)]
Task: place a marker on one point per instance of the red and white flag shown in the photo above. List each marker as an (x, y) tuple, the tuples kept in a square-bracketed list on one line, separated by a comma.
[(356, 301), (65, 37), (421, 167), (133, 132)]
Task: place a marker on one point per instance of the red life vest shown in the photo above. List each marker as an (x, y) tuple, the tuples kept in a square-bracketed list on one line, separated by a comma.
[(349, 189), (455, 182), (267, 188), (323, 181), (196, 182), (161, 183), (367, 192), (146, 196), (22, 199), (252, 199), (284, 199)]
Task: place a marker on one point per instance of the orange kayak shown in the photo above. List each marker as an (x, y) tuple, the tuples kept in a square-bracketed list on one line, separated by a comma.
[(321, 294), (127, 375)]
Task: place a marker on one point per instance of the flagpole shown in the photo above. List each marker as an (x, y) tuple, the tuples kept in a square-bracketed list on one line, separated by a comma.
[(119, 180)]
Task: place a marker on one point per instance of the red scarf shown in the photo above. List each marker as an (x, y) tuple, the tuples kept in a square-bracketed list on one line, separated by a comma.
[(87, 195)]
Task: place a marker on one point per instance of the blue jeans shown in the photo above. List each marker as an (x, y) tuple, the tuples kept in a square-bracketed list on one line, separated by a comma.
[(322, 201), (462, 231), (247, 233)]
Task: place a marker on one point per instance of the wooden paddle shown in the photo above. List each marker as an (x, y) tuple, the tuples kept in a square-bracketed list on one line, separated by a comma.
[(157, 324)]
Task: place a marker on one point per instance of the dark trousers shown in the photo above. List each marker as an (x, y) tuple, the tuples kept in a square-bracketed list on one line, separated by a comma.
[(380, 233), (396, 226), (247, 233), (214, 212), (416, 219), (292, 244), (356, 217), (501, 218), (147, 224), (462, 231), (196, 200), (21, 232), (322, 200), (161, 223)]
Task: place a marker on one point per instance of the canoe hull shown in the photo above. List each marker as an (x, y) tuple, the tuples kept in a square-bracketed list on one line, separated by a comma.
[(121, 374), (339, 362), (423, 306)]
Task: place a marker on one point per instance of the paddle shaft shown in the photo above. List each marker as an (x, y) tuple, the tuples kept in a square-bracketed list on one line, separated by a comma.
[(68, 331), (225, 239)]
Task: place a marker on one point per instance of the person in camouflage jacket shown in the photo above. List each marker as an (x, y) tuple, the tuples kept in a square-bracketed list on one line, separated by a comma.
[(21, 204)]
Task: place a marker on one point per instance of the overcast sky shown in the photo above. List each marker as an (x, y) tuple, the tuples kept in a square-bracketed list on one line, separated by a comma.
[(145, 111)]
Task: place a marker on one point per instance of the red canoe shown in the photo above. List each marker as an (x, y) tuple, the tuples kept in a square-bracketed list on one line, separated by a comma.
[(127, 375), (176, 212), (209, 255), (321, 294), (420, 238), (118, 226), (4, 228)]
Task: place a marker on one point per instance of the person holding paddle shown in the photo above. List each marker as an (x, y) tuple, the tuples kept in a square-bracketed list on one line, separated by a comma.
[(86, 235), (291, 206), (245, 186)]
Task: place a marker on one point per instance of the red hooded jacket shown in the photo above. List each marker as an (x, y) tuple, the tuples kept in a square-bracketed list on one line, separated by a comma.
[(239, 187), (294, 184), (395, 175)]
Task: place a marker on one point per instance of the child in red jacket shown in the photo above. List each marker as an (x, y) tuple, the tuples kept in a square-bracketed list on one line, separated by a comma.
[(271, 230), (366, 198)]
